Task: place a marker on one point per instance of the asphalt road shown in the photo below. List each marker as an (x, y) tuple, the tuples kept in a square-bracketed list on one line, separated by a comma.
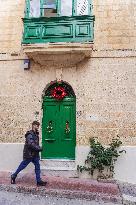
[(11, 198)]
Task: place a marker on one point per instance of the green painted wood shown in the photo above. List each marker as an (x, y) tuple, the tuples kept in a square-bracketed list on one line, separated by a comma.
[(74, 7), (27, 10), (58, 29), (58, 5), (90, 7), (83, 30), (59, 128), (34, 32), (41, 7)]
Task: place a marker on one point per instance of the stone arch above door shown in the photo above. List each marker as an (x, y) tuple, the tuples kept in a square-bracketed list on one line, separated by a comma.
[(50, 86)]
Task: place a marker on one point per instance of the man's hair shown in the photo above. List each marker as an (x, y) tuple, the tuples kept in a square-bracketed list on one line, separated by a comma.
[(35, 123)]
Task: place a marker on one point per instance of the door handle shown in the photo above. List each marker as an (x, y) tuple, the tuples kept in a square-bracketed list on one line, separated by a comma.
[(67, 128), (49, 128)]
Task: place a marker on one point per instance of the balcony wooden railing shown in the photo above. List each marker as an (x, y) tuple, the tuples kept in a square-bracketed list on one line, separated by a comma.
[(58, 29)]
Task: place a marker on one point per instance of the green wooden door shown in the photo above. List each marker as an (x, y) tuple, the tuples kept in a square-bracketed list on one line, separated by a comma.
[(59, 128)]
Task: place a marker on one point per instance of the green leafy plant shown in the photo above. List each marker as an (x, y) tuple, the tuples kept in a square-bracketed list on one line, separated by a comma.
[(101, 157)]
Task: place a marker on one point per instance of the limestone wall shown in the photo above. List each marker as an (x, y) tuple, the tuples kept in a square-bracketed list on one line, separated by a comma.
[(105, 88), (115, 24), (20, 98), (105, 85), (11, 14), (106, 98)]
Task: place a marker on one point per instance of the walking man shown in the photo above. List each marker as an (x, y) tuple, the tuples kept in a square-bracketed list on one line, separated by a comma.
[(31, 154)]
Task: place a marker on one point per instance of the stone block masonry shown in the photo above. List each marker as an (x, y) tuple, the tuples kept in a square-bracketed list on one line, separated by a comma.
[(11, 14), (114, 25), (104, 86)]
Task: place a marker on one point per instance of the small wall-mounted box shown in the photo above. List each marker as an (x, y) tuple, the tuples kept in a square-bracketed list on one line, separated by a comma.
[(26, 64)]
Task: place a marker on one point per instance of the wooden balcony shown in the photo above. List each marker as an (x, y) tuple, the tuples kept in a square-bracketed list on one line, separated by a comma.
[(58, 29), (53, 37)]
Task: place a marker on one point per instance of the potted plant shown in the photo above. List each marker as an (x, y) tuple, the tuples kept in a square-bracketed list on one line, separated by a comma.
[(101, 159)]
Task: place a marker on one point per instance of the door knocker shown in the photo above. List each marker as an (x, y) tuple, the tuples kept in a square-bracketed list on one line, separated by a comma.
[(67, 128), (49, 127)]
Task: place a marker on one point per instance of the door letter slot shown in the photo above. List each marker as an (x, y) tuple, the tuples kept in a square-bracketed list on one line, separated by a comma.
[(50, 140)]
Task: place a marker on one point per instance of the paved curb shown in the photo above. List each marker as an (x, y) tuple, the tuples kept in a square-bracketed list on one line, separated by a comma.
[(128, 193), (128, 200), (71, 188)]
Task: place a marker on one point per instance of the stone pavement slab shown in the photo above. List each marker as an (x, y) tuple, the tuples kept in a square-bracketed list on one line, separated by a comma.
[(12, 198), (128, 193)]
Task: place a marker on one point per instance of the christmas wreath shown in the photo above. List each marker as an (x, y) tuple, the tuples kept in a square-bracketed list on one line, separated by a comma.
[(59, 93)]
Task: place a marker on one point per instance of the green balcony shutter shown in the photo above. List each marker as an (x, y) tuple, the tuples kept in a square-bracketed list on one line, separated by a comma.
[(27, 10), (83, 7)]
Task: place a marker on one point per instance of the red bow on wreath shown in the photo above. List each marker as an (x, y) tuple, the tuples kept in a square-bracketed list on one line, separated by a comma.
[(59, 93)]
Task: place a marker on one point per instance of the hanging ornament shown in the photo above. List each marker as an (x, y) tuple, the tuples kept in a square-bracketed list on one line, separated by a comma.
[(58, 93)]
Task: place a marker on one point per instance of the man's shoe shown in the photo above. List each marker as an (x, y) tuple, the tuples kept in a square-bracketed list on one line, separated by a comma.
[(13, 179), (41, 183)]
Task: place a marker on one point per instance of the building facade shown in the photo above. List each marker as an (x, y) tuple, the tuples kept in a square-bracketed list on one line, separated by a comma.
[(88, 48)]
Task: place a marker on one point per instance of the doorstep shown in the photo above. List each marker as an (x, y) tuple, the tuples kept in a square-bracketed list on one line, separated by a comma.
[(59, 167)]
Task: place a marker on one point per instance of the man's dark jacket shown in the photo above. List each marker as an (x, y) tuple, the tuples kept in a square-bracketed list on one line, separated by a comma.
[(31, 147)]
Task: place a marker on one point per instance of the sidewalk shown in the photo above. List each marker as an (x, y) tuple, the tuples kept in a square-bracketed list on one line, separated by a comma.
[(63, 187), (72, 188)]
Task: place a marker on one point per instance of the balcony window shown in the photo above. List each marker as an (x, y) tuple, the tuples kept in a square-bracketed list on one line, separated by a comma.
[(34, 8), (82, 7), (48, 8), (66, 7), (58, 21), (53, 8)]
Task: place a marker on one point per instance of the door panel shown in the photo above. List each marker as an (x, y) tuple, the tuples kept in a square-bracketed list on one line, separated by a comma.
[(58, 129), (50, 123), (66, 118), (49, 129)]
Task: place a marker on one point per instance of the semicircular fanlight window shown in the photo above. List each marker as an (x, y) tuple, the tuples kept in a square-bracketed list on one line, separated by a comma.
[(67, 87)]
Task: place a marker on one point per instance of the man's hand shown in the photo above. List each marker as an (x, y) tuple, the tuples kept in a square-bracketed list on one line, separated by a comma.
[(41, 149)]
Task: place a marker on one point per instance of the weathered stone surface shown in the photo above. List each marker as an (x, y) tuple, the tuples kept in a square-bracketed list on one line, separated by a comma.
[(105, 90), (114, 24), (105, 85), (28, 199), (62, 187)]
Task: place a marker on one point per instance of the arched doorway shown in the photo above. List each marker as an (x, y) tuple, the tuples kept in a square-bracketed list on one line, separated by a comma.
[(59, 121)]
